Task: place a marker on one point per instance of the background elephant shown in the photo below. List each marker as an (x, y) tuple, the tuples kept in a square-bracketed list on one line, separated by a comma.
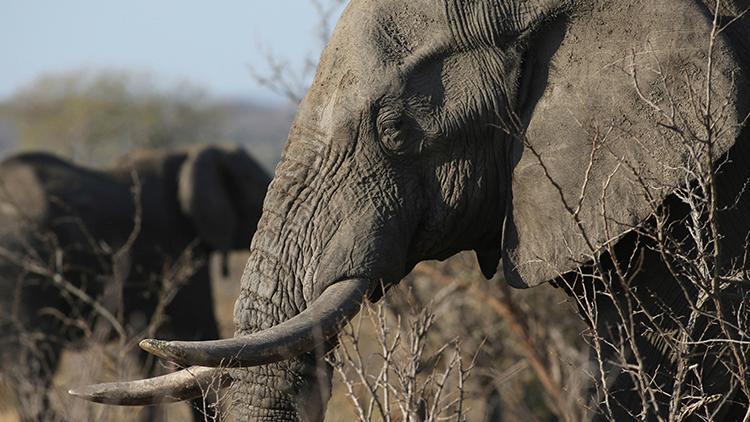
[(133, 237), (533, 132)]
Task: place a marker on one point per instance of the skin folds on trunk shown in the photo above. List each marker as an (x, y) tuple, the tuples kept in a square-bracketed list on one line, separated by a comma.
[(274, 290), (308, 241)]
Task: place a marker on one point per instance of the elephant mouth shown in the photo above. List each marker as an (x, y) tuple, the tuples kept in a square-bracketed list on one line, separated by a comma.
[(303, 333)]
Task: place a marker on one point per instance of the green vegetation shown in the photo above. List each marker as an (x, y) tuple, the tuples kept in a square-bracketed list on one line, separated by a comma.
[(93, 116)]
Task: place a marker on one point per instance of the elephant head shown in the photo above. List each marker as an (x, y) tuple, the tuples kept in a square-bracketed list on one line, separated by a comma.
[(514, 128)]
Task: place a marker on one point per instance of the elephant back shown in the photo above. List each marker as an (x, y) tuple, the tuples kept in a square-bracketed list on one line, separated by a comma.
[(53, 206), (48, 191)]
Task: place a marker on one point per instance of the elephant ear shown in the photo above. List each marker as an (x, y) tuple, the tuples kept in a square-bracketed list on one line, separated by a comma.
[(221, 191), (205, 198), (599, 151)]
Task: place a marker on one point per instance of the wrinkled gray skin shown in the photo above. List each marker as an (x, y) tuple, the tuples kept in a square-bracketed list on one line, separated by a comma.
[(436, 126), (403, 150), (205, 198)]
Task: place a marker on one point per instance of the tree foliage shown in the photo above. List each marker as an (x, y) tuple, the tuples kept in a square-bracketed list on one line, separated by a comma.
[(91, 116)]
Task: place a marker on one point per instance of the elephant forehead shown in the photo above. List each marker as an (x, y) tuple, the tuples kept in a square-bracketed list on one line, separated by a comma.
[(373, 37), (365, 58), (389, 31)]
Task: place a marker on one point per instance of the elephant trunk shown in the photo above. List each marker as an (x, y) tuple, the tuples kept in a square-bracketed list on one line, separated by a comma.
[(312, 261), (285, 300)]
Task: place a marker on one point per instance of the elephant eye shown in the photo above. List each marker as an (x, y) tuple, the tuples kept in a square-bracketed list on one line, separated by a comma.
[(394, 133)]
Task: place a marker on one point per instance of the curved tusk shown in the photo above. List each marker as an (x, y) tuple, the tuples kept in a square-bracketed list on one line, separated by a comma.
[(304, 332), (186, 384)]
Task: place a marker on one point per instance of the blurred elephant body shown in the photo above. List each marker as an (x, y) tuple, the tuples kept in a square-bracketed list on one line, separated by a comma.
[(528, 131), (139, 225)]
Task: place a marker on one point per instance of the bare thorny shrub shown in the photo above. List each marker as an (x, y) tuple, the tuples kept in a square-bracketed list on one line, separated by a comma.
[(406, 378), (448, 344), (286, 80), (531, 356), (108, 336)]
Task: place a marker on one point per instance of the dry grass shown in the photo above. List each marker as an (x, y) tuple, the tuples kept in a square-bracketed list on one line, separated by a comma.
[(105, 362)]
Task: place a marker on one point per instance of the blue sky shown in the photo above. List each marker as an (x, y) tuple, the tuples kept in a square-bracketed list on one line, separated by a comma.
[(209, 43)]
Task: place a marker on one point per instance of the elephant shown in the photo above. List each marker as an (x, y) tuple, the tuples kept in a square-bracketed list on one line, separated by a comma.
[(533, 132), (149, 222)]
